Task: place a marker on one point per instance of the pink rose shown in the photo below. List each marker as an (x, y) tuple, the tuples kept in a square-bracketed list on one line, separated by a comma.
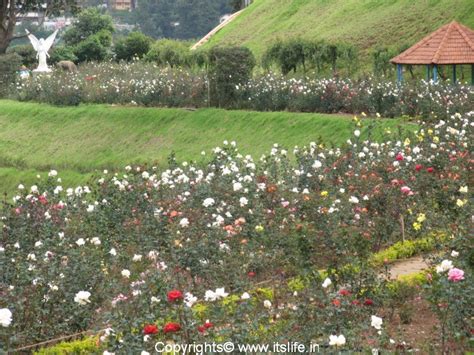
[(455, 275), (406, 190)]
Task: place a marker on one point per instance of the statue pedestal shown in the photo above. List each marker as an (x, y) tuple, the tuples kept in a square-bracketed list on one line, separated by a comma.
[(37, 72), (42, 70)]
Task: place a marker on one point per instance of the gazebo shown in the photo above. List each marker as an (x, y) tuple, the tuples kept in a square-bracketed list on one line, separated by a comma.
[(452, 44)]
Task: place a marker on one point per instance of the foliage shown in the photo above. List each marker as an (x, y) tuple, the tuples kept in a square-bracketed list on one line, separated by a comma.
[(381, 61), (89, 22), (136, 250), (405, 249), (59, 53), (185, 84), (69, 143), (294, 54), (9, 64), (375, 23), (85, 346), (11, 10), (135, 45), (92, 48), (450, 289), (228, 68), (27, 53), (178, 19), (171, 53), (90, 36)]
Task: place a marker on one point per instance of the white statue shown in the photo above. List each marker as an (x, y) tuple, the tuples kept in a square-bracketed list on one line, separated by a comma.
[(42, 47)]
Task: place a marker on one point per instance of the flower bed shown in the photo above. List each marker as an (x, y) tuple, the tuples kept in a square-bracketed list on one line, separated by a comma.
[(214, 251), (147, 84)]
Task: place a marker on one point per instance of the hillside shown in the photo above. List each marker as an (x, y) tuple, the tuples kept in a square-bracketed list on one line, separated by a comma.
[(80, 140), (365, 23)]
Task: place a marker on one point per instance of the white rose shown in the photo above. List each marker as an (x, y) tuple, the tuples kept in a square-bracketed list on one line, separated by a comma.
[(5, 317), (245, 296), (376, 322), (82, 297), (337, 340), (327, 282)]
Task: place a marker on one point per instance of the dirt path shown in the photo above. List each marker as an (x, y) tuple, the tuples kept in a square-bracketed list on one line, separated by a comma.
[(215, 30), (407, 266)]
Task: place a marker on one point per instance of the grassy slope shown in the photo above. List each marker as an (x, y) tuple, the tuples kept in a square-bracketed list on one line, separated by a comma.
[(80, 140), (364, 23)]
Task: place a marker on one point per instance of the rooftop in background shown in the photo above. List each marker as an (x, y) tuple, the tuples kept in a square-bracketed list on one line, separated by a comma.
[(451, 44)]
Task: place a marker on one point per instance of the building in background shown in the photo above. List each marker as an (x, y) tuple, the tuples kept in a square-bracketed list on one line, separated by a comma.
[(123, 5)]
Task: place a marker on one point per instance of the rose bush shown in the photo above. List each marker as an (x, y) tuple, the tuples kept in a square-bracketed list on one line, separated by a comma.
[(147, 84), (232, 248)]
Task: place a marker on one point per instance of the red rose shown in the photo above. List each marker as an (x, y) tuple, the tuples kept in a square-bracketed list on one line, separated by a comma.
[(399, 157), (430, 170), (344, 292), (175, 295), (171, 327), (336, 302), (204, 327), (251, 274), (150, 329), (418, 167), (368, 302)]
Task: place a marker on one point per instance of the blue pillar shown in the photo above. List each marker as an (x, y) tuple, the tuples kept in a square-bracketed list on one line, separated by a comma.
[(454, 73), (428, 74), (472, 74), (435, 73), (399, 73)]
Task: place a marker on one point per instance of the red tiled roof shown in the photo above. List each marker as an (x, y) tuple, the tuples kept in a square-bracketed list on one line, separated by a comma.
[(451, 44)]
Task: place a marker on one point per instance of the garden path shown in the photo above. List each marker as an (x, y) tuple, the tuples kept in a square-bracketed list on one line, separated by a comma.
[(407, 266)]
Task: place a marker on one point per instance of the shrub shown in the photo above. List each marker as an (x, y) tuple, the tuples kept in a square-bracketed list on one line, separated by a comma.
[(229, 248), (27, 54), (135, 45), (78, 347), (229, 67), (295, 54), (9, 64), (289, 55), (381, 61), (170, 53), (59, 53), (90, 49)]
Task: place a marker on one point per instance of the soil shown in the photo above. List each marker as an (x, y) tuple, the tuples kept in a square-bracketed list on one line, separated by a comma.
[(421, 334), (407, 266)]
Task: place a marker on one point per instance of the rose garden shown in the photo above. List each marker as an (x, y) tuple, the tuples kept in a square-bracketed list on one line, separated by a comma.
[(357, 240)]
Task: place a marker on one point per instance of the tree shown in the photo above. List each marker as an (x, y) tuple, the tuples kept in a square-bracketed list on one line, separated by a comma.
[(11, 9), (136, 44), (89, 22), (91, 49), (229, 67), (91, 36), (183, 19), (288, 55)]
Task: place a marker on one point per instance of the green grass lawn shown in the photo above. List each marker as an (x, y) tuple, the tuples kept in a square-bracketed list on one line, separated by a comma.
[(78, 141), (364, 23)]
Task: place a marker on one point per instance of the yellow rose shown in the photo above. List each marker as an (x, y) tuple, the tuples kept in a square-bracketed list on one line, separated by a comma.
[(421, 217)]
